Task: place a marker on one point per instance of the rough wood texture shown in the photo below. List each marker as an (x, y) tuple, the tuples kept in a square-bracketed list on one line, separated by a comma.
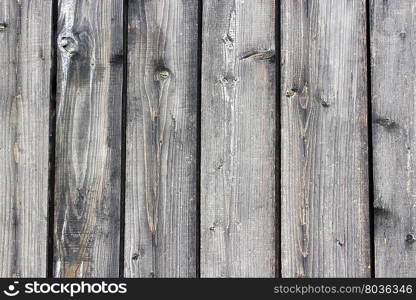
[(25, 63), (160, 233), (393, 40), (88, 138), (238, 139), (325, 213)]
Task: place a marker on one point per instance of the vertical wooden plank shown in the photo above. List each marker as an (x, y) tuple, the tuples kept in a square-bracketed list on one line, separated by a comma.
[(238, 139), (160, 232), (393, 40), (88, 138), (325, 211), (25, 63)]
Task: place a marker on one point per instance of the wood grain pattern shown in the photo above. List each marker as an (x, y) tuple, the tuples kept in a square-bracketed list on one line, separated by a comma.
[(25, 63), (325, 198), (238, 139), (88, 138), (393, 40), (160, 232)]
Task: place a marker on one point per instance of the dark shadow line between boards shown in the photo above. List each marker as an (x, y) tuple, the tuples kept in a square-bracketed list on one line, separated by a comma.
[(123, 140), (52, 144), (199, 145), (278, 145), (370, 137)]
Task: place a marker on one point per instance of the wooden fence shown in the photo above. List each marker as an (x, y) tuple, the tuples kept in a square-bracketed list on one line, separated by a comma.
[(236, 138)]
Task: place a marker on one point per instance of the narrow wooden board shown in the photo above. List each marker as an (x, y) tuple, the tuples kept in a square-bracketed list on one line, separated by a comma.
[(161, 174), (325, 198), (88, 138), (25, 63), (393, 40), (238, 139)]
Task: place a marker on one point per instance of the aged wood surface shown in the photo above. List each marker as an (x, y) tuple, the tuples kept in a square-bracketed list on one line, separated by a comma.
[(238, 139), (88, 138), (161, 174), (393, 42), (25, 63), (314, 173), (325, 210)]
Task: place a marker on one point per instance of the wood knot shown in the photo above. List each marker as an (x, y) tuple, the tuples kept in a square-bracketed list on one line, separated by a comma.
[(213, 227), (339, 242), (410, 238), (228, 41), (69, 45), (163, 73), (3, 26), (290, 93), (219, 164), (138, 254), (324, 102), (228, 80)]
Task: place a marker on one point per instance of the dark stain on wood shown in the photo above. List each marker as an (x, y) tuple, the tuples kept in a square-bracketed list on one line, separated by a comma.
[(385, 122), (117, 58)]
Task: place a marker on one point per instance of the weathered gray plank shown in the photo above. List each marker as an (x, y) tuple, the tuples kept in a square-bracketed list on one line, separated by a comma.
[(25, 63), (160, 232), (88, 138), (325, 211), (238, 139), (393, 40)]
